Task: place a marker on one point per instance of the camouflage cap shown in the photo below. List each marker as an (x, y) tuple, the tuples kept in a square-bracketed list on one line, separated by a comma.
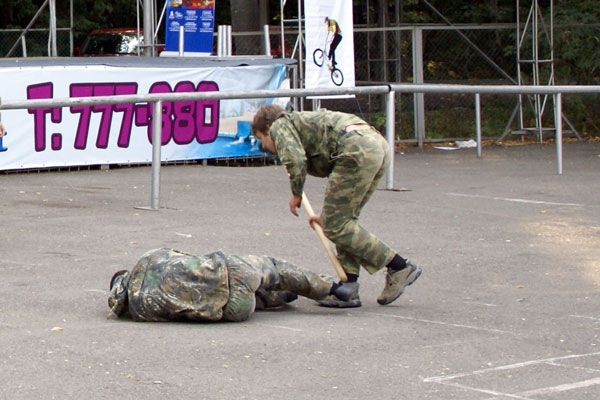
[(117, 301)]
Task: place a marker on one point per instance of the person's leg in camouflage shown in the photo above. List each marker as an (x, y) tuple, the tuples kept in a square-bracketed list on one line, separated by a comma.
[(362, 161), (282, 282)]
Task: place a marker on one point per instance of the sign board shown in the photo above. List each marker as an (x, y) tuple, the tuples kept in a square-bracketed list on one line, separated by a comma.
[(197, 18), (329, 44), (122, 133)]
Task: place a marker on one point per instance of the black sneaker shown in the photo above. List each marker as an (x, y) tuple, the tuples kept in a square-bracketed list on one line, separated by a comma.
[(333, 302), (347, 290)]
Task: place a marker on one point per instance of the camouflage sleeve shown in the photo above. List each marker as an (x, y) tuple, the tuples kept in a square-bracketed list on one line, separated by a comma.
[(291, 153)]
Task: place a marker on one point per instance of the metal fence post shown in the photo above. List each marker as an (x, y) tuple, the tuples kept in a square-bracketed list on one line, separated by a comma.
[(181, 41), (52, 51), (148, 6), (156, 156), (156, 147), (390, 133), (267, 41), (559, 133), (478, 122), (418, 78)]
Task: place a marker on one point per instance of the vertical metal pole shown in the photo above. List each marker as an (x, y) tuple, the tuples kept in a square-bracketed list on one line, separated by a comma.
[(267, 39), (295, 85), (220, 40), (156, 147), (148, 28), (52, 8), (478, 122), (281, 27), (390, 133), (419, 98), (519, 72), (139, 49), (558, 128), (71, 45), (24, 46), (300, 42), (229, 49), (181, 40)]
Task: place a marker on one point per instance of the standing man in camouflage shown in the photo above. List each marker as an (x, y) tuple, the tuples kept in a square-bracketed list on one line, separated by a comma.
[(354, 156), (170, 285)]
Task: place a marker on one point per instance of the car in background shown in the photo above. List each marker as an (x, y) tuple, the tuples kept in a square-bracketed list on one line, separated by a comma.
[(111, 42)]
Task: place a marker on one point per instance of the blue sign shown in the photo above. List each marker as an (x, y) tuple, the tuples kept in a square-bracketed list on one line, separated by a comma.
[(197, 17)]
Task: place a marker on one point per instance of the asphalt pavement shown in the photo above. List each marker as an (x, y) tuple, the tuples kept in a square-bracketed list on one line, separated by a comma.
[(506, 308)]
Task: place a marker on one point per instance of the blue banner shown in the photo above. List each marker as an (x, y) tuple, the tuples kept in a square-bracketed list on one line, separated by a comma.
[(197, 18)]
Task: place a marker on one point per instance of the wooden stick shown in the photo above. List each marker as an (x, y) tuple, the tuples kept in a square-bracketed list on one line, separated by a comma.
[(324, 241)]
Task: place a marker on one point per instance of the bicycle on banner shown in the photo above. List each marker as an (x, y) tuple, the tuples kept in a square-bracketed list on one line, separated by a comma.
[(337, 77)]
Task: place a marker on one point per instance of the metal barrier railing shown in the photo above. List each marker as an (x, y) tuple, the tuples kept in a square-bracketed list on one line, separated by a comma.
[(388, 90)]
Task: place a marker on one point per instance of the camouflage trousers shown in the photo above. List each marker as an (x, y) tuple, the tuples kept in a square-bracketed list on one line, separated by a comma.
[(259, 282), (362, 158)]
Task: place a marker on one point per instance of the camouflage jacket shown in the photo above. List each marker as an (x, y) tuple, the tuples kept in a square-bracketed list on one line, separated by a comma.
[(169, 285), (307, 142)]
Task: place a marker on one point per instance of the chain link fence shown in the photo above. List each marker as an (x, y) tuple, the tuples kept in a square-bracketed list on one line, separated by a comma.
[(467, 54), (472, 54), (34, 42)]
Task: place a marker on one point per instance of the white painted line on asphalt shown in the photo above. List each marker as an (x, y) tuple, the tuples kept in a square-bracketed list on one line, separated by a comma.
[(428, 321), (443, 378), (444, 344), (584, 317), (280, 327), (561, 388), (546, 203), (487, 391), (477, 303)]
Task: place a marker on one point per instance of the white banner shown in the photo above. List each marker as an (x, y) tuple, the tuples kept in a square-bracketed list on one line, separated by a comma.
[(329, 43), (121, 134)]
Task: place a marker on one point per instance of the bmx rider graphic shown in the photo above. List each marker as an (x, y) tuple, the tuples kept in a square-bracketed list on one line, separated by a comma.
[(333, 39)]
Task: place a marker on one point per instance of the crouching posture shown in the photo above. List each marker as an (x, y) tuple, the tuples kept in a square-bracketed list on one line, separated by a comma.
[(169, 285)]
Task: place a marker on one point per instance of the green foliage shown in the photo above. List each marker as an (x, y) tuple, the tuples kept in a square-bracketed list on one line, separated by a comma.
[(576, 48), (102, 14), (378, 120), (98, 14), (17, 13), (583, 110)]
